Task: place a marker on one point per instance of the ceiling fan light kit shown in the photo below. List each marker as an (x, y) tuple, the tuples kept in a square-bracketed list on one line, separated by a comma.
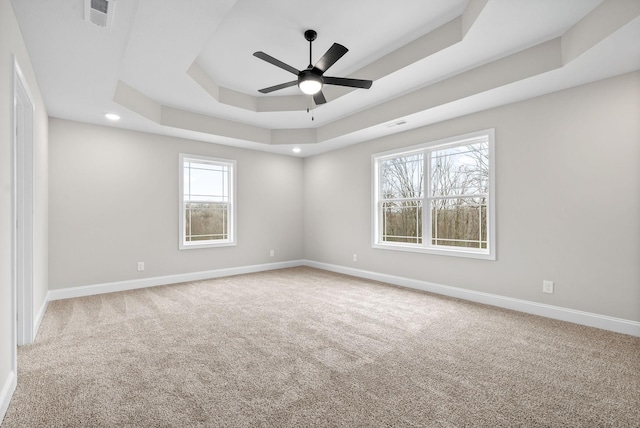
[(311, 80)]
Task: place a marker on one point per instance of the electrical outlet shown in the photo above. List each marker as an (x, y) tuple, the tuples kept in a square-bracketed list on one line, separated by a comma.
[(355, 257), (140, 266), (547, 287), (272, 253)]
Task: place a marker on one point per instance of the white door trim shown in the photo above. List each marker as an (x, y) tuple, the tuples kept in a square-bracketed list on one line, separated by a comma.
[(23, 208)]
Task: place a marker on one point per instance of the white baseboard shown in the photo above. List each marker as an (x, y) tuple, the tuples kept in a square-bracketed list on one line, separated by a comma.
[(6, 393), (38, 320), (604, 322), (556, 312), (90, 290)]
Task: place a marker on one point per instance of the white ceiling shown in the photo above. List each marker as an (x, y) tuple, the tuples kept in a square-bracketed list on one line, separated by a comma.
[(186, 69)]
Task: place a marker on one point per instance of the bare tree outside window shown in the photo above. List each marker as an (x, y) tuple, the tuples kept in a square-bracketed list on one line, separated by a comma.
[(451, 182), (402, 193), (206, 221), (458, 195)]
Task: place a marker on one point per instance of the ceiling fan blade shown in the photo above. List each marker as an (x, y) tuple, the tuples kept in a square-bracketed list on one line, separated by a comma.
[(334, 53), (352, 83), (319, 98), (276, 62), (277, 87)]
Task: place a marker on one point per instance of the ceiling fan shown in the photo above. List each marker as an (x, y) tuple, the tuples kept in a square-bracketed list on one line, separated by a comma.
[(312, 79)]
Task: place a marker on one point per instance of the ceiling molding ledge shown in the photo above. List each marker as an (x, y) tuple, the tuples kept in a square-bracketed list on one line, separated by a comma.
[(471, 13), (191, 121), (530, 62), (599, 24), (301, 136), (543, 58), (220, 93), (435, 41), (421, 48), (539, 59), (137, 102)]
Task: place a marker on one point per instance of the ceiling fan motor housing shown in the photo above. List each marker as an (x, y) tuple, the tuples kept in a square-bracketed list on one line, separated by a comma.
[(310, 35)]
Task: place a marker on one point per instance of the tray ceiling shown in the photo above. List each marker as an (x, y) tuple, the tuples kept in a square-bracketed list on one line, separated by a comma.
[(186, 68)]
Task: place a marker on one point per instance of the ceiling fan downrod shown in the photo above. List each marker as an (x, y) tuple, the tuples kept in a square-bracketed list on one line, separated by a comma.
[(310, 35)]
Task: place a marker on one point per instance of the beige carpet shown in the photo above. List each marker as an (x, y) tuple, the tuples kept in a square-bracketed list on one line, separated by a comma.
[(303, 347)]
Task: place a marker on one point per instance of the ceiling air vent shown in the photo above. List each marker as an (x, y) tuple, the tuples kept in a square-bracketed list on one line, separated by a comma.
[(99, 12), (396, 123)]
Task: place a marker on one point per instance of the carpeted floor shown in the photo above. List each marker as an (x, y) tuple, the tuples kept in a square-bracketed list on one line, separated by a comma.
[(303, 347)]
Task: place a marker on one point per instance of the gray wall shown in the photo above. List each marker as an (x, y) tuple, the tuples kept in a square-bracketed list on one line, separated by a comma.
[(12, 44), (114, 202), (568, 202)]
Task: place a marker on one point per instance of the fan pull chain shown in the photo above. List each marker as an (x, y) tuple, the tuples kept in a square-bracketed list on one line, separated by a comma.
[(309, 109)]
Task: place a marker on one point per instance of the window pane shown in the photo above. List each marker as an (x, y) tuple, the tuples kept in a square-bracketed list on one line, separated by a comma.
[(459, 222), (402, 177), (461, 170), (402, 221), (206, 221), (206, 182)]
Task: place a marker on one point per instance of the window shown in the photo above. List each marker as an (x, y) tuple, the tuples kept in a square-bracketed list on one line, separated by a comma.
[(207, 211), (437, 197)]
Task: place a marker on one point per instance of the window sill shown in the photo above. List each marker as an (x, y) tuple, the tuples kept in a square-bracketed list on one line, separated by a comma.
[(193, 246), (469, 253)]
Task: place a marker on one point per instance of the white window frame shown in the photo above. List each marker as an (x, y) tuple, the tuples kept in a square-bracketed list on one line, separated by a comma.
[(426, 247), (231, 227)]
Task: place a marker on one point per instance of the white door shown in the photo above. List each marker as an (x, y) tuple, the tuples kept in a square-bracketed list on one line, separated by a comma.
[(23, 195)]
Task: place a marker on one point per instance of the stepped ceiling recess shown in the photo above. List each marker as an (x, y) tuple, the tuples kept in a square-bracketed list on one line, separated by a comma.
[(186, 68)]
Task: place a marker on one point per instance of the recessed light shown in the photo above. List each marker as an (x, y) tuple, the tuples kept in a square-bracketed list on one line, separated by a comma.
[(296, 150), (112, 116)]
